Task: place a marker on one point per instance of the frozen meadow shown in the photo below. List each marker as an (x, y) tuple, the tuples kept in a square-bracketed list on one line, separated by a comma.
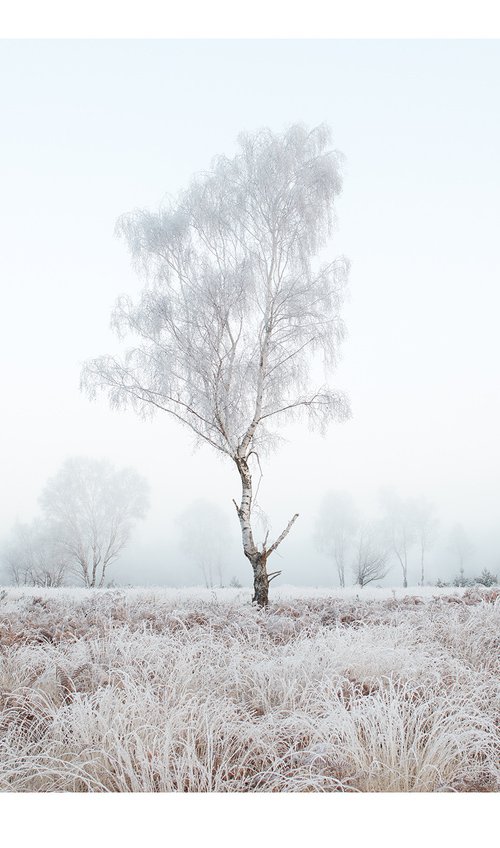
[(193, 690)]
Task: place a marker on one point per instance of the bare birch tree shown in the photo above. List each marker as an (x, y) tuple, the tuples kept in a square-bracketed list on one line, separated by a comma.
[(93, 508), (336, 526), (234, 313), (371, 557)]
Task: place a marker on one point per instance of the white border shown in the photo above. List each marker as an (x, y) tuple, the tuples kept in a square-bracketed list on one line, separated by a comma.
[(252, 19), (246, 821)]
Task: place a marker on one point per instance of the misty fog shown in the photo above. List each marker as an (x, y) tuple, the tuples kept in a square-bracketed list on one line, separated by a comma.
[(92, 130)]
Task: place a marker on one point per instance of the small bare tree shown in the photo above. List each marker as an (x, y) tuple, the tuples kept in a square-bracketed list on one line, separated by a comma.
[(93, 508), (371, 557), (426, 530), (336, 526), (399, 522), (34, 556), (233, 312)]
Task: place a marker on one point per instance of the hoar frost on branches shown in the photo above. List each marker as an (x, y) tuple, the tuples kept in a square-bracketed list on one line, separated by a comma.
[(233, 312)]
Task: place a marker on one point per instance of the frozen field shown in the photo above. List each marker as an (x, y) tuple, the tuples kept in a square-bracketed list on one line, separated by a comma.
[(158, 690)]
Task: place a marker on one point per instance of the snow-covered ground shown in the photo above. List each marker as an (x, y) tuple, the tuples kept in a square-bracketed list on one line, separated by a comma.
[(155, 689), (229, 594)]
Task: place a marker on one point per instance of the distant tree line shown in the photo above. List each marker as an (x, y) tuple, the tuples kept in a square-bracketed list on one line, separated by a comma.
[(403, 535)]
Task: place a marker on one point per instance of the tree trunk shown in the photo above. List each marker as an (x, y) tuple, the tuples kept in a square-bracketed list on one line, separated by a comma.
[(258, 558), (260, 581), (94, 573)]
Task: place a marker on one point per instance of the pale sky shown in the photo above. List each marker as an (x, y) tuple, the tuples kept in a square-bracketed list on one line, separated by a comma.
[(91, 130)]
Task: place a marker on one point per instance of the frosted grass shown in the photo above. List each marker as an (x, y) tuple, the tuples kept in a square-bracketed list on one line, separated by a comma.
[(161, 690)]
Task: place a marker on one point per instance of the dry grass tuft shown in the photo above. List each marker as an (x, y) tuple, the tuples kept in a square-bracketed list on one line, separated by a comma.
[(158, 691)]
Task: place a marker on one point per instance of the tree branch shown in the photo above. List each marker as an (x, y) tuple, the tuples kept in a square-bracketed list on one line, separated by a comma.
[(283, 535), (272, 575)]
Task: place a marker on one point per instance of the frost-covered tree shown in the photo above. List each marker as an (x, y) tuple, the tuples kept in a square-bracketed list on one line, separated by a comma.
[(336, 526), (486, 578), (234, 313), (93, 507), (34, 555)]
